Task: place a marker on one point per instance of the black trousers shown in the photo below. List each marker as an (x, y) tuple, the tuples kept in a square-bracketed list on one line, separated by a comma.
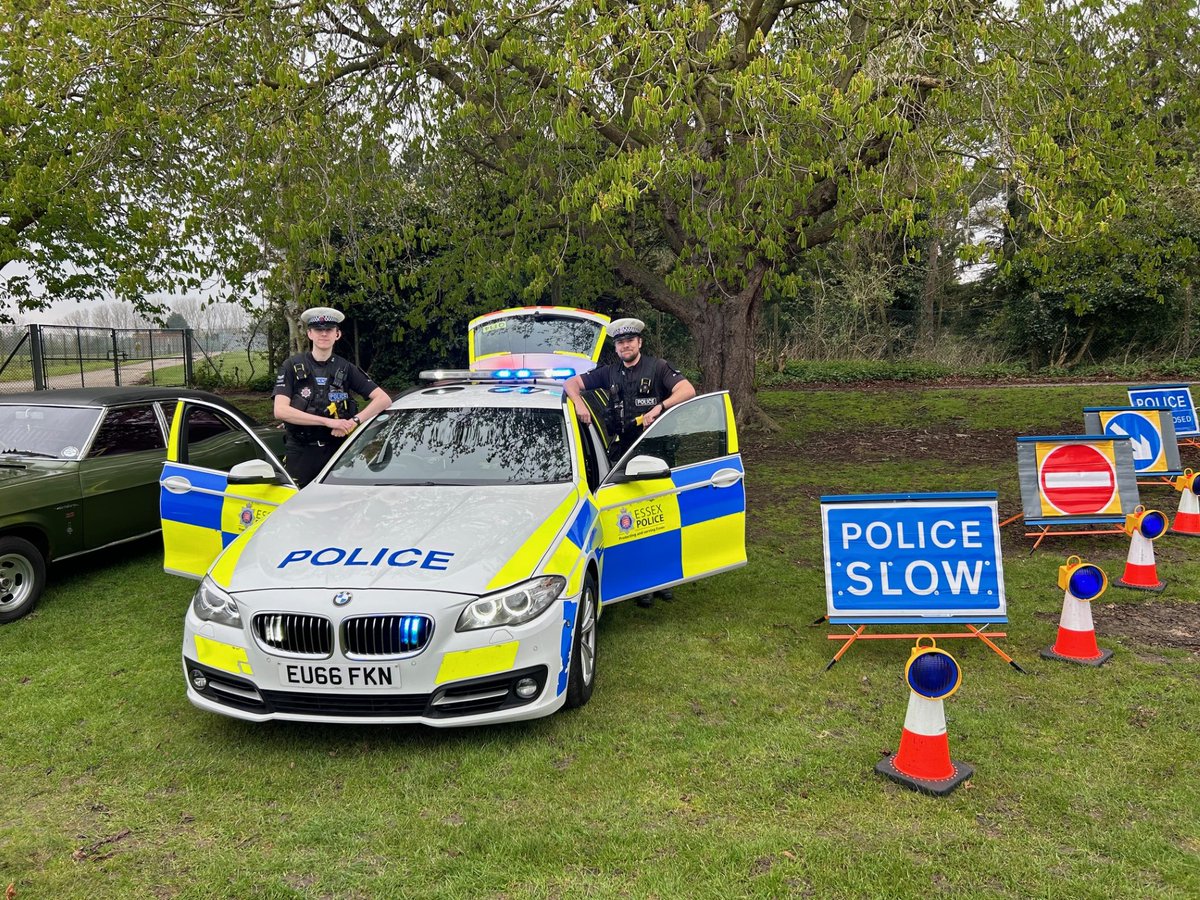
[(304, 461)]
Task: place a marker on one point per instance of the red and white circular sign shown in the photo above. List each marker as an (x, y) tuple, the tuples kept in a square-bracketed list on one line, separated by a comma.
[(1077, 479)]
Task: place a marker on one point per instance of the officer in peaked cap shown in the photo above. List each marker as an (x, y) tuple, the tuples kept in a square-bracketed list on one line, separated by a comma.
[(314, 397), (640, 389)]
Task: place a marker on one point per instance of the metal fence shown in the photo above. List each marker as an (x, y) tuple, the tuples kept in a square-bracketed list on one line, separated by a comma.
[(44, 357)]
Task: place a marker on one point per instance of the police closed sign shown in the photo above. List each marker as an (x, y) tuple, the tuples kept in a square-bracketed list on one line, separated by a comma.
[(913, 557)]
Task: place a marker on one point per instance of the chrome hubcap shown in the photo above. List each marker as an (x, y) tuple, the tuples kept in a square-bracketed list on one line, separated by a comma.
[(16, 580)]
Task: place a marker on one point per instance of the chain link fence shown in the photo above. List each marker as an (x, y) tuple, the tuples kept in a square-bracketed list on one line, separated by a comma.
[(46, 357)]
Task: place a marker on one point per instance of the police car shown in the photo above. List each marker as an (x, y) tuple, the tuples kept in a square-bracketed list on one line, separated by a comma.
[(449, 565)]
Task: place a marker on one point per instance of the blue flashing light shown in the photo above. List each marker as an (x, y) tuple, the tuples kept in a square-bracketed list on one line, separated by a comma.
[(933, 674), (1153, 524), (1087, 582), (503, 373), (524, 373), (412, 632), (563, 372)]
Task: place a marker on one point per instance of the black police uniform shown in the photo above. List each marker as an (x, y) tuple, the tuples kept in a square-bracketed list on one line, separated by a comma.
[(632, 391), (322, 389)]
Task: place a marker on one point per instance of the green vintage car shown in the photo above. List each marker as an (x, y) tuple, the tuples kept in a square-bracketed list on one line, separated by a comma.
[(79, 472)]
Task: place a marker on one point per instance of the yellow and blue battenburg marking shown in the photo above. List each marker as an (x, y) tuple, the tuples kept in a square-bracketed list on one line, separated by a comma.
[(666, 531), (199, 523)]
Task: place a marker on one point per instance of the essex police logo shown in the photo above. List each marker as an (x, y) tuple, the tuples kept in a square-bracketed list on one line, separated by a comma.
[(247, 515), (625, 521)]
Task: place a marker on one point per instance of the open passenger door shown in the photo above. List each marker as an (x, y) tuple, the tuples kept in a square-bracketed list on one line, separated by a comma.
[(219, 479), (673, 509)]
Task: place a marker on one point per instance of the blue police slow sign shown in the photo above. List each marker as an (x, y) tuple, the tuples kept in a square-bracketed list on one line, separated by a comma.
[(1175, 397), (896, 558)]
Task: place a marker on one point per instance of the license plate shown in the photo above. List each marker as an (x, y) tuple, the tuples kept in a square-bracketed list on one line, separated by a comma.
[(355, 678)]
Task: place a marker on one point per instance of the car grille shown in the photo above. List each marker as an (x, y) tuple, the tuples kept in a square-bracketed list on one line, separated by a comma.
[(294, 635), (368, 636), (346, 704)]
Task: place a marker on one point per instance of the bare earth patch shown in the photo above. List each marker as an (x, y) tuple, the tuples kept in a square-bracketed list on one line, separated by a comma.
[(1173, 625)]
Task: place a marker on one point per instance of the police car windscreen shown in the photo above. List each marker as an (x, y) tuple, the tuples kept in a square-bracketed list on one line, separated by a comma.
[(50, 431), (457, 445), (537, 334)]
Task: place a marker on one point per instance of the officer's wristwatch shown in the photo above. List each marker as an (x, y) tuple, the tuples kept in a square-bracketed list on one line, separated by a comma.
[(356, 420)]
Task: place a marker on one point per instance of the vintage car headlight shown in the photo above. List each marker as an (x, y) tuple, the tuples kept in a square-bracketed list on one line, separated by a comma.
[(212, 604), (512, 606)]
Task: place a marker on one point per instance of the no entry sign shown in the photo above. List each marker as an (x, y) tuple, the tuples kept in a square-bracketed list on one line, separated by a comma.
[(1078, 479), (1082, 477)]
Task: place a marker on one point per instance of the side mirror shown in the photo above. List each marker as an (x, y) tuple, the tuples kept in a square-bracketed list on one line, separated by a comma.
[(253, 471), (645, 468)]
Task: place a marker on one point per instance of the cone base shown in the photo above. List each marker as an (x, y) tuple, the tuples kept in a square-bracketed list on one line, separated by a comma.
[(1195, 534), (1105, 656), (1156, 588), (937, 788)]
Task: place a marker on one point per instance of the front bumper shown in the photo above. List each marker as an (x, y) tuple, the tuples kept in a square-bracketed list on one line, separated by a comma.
[(458, 679)]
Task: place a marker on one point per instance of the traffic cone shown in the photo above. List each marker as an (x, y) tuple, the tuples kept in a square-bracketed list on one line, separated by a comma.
[(1145, 526), (923, 761), (1187, 519), (1082, 583)]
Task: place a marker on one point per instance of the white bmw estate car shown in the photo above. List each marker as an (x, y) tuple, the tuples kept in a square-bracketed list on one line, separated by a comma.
[(449, 565)]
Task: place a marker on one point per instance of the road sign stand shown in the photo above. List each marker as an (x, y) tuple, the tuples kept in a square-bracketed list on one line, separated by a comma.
[(974, 631), (1054, 529)]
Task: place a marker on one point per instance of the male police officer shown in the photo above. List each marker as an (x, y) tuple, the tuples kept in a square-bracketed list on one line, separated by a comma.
[(313, 399), (640, 390)]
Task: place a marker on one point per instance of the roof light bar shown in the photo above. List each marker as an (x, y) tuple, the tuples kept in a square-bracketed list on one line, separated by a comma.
[(558, 373)]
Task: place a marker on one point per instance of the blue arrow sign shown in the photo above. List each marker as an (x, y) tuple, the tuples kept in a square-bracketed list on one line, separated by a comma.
[(1144, 439), (1175, 397)]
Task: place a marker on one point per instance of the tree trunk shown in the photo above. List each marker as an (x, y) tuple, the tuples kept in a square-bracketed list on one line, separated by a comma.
[(725, 332)]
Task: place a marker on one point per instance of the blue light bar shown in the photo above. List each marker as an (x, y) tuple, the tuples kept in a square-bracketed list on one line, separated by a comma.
[(554, 374)]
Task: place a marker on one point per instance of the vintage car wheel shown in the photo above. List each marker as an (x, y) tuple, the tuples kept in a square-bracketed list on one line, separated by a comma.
[(22, 577), (582, 678)]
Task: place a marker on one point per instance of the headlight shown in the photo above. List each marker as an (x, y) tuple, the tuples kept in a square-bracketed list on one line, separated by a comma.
[(513, 606), (212, 604)]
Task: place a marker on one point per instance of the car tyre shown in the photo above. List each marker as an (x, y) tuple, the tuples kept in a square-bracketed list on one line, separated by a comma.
[(582, 677), (22, 577)]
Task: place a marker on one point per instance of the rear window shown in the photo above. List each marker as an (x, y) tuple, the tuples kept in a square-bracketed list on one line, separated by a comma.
[(537, 334), (457, 445), (57, 432)]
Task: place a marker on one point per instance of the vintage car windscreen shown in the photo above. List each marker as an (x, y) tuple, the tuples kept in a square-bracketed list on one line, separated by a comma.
[(458, 445), (537, 334), (57, 432)]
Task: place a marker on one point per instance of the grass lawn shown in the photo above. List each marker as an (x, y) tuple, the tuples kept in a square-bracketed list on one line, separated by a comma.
[(716, 759)]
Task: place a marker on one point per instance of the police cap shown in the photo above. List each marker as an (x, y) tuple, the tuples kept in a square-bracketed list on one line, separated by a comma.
[(321, 317), (622, 328)]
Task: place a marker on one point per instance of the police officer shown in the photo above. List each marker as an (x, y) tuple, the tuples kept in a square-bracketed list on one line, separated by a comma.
[(313, 397), (640, 389)]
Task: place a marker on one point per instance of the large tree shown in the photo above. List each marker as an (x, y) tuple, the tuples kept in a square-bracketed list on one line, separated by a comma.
[(702, 149), (707, 147)]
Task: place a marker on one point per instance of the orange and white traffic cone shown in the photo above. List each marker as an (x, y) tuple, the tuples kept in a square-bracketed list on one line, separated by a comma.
[(1082, 583), (923, 761), (1187, 519), (1141, 574)]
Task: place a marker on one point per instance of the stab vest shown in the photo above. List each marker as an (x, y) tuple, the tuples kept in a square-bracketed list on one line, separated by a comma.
[(321, 398)]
